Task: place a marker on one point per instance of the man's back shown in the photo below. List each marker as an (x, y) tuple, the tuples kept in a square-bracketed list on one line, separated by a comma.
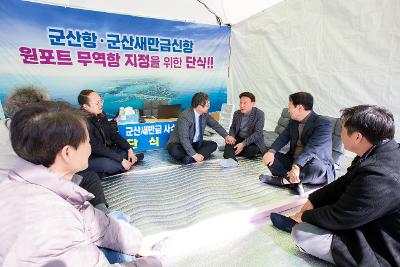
[(8, 157)]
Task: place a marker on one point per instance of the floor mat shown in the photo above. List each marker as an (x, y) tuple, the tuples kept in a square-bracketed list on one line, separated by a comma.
[(211, 216)]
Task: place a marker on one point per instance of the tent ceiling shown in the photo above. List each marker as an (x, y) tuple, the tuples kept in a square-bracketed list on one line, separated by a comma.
[(230, 11)]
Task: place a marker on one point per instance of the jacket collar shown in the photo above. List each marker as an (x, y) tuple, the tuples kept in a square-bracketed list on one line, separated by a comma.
[(309, 121), (385, 145), (27, 172)]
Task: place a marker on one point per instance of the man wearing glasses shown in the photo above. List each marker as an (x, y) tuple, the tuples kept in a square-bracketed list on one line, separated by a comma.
[(186, 142), (111, 153)]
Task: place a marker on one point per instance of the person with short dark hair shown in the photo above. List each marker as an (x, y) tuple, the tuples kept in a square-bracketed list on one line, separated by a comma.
[(246, 136), (19, 99), (309, 159), (111, 153), (46, 216), (186, 142), (354, 221)]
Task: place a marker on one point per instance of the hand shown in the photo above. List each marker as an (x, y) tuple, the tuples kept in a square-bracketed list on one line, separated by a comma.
[(239, 148), (268, 158), (131, 156), (198, 157), (126, 164), (297, 216), (230, 140), (294, 174)]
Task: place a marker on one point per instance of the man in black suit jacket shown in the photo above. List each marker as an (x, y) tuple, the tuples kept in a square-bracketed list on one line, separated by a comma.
[(355, 220), (186, 142), (309, 159), (246, 136), (111, 153)]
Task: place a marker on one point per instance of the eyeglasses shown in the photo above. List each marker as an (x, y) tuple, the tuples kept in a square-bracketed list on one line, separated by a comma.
[(206, 105)]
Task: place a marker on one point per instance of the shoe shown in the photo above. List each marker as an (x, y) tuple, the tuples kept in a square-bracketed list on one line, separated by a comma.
[(298, 188), (139, 156), (276, 180), (228, 163), (282, 222), (270, 179), (187, 160)]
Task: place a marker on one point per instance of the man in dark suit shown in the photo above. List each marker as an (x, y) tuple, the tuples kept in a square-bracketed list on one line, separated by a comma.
[(354, 221), (246, 136), (186, 142), (111, 153), (309, 159)]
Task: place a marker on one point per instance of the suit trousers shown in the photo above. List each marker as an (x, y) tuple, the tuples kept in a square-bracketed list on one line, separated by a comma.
[(249, 151), (107, 165), (177, 151), (313, 172)]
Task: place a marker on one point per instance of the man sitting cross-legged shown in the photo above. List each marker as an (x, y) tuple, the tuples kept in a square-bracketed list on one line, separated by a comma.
[(246, 136), (354, 221), (309, 159), (186, 142)]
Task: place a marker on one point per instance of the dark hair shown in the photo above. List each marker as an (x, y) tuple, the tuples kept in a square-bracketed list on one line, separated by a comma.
[(23, 96), (199, 98), (373, 122), (83, 96), (302, 98), (64, 106), (249, 95), (38, 133)]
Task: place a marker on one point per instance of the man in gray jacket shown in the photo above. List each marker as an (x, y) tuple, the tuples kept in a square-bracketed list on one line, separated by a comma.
[(246, 136), (186, 142)]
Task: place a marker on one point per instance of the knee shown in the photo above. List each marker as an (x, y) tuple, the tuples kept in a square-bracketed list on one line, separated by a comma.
[(298, 234), (110, 166), (172, 148)]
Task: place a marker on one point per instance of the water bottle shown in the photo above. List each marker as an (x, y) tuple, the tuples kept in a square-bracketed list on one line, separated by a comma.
[(121, 116)]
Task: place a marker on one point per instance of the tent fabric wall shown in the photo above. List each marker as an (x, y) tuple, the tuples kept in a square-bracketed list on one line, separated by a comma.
[(230, 12), (343, 52)]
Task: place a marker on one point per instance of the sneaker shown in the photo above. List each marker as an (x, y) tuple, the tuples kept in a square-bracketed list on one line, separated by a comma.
[(228, 163), (282, 222)]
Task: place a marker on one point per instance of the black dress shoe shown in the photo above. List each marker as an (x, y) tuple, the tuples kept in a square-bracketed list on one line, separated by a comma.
[(282, 222), (279, 181), (298, 188), (270, 179), (140, 156)]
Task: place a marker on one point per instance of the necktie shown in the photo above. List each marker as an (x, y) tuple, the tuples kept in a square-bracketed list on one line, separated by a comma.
[(200, 140)]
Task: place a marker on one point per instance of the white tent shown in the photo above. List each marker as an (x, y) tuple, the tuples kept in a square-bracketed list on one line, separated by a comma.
[(229, 11), (344, 52)]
